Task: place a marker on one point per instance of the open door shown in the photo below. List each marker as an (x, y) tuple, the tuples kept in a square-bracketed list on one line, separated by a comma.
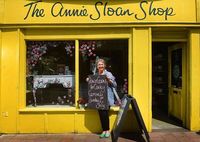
[(177, 81)]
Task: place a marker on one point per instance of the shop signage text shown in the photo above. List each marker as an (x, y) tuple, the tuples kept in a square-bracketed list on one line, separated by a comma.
[(100, 9)]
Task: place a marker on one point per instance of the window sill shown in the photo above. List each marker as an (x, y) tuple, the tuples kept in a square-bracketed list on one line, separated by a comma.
[(59, 109)]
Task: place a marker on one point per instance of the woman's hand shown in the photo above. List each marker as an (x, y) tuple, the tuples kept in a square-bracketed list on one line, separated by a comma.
[(108, 79)]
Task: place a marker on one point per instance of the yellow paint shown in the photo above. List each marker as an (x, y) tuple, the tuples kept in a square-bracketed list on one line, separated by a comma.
[(198, 10), (22, 70), (134, 8), (9, 79), (169, 35), (31, 123), (65, 121), (142, 72), (76, 72), (1, 11), (14, 115), (77, 33), (60, 122), (149, 127), (0, 78), (184, 84), (88, 122), (177, 101), (194, 78), (130, 66)]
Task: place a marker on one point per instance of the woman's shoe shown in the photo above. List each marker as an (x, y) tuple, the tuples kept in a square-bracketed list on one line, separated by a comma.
[(107, 135), (102, 135)]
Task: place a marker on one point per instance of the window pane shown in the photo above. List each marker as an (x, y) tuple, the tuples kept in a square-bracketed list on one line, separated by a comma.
[(50, 73), (114, 52)]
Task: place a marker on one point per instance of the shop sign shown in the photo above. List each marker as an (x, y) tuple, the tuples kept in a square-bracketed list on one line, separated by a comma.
[(98, 10)]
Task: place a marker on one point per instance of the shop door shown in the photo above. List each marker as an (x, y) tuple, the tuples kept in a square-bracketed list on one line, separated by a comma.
[(177, 79)]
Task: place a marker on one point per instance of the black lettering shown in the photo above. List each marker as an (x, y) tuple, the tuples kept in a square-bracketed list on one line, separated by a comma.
[(144, 12), (160, 11), (152, 10), (84, 12), (60, 6), (97, 10), (127, 12), (119, 11), (110, 11), (35, 11), (104, 9), (67, 12), (169, 12), (29, 4)]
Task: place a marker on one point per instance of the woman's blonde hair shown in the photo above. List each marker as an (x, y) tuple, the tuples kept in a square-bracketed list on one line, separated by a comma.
[(101, 60)]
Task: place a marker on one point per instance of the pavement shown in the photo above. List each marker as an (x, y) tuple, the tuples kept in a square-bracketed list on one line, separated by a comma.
[(163, 131), (154, 137)]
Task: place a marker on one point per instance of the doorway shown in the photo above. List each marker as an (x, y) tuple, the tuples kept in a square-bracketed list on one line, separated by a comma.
[(168, 89)]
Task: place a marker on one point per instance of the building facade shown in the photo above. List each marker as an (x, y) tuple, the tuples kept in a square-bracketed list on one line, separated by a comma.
[(48, 48)]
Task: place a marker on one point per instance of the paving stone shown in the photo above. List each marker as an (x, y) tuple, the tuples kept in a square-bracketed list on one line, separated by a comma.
[(155, 137)]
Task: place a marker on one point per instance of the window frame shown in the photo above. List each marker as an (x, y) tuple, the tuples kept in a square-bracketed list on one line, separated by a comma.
[(70, 34)]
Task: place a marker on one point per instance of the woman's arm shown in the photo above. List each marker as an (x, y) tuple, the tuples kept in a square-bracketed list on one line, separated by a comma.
[(111, 79)]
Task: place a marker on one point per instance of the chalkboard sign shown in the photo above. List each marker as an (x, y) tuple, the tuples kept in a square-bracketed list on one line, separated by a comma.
[(120, 118), (126, 101), (97, 92)]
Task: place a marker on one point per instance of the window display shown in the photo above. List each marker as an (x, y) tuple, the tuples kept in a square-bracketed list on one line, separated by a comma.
[(50, 71)]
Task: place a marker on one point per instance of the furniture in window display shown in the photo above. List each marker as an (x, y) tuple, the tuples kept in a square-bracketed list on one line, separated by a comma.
[(41, 81)]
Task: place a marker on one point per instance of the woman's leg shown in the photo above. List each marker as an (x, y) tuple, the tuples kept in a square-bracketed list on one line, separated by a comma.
[(104, 118)]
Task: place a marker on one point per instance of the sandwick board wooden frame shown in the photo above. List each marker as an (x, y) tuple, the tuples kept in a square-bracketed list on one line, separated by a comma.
[(126, 101)]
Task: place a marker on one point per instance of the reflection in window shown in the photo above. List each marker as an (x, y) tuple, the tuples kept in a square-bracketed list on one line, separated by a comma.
[(176, 76), (50, 73), (114, 52)]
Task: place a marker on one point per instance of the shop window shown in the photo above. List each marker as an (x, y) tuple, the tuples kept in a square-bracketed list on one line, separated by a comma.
[(50, 73), (51, 69), (114, 52)]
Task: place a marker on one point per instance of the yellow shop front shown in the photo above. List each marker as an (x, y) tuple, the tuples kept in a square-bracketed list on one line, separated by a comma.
[(48, 48)]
